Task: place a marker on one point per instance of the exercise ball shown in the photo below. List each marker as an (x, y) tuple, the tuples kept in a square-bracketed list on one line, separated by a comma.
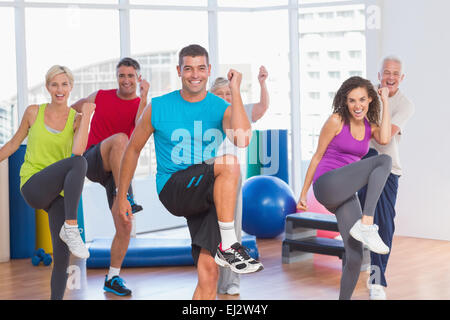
[(266, 200), (316, 206)]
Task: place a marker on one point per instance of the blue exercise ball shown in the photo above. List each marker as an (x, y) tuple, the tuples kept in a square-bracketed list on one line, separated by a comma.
[(266, 200)]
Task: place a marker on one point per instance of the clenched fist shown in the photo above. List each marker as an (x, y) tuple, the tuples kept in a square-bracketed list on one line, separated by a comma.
[(263, 74), (384, 93), (144, 86), (235, 79)]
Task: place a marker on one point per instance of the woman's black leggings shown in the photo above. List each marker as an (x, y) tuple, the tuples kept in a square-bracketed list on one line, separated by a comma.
[(42, 191), (336, 190)]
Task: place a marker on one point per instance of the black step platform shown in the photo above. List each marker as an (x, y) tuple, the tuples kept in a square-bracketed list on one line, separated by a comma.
[(301, 240), (313, 220), (318, 245), (300, 237)]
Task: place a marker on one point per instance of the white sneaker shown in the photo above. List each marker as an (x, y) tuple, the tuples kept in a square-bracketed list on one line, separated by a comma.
[(368, 235), (233, 290), (377, 292), (71, 236)]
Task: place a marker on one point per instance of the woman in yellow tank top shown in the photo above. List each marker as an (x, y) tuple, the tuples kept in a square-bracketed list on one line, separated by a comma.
[(51, 178)]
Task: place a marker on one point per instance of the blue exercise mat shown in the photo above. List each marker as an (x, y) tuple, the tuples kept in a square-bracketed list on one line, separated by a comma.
[(148, 252)]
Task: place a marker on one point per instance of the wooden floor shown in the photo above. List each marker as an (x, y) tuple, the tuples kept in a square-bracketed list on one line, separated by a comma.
[(418, 269)]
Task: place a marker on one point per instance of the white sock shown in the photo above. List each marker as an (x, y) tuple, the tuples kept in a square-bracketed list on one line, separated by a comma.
[(67, 226), (113, 272), (228, 234)]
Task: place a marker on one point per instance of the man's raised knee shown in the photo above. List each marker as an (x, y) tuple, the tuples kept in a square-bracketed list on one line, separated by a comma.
[(228, 164), (120, 140)]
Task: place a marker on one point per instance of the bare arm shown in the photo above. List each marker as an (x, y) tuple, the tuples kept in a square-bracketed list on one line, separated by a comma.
[(144, 87), (260, 108), (138, 139), (235, 121), (22, 132), (79, 104), (383, 133), (394, 130), (328, 132), (81, 128)]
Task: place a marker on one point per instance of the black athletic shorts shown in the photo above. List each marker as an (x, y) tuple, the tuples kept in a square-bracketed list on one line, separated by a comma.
[(189, 193), (96, 172)]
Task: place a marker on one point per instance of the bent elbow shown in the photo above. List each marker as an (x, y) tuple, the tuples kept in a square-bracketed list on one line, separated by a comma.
[(242, 143), (385, 141)]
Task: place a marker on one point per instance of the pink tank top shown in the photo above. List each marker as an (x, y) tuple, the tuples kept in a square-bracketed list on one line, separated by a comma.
[(343, 150)]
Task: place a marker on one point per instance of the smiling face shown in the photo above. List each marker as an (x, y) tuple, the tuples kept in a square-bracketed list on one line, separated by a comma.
[(127, 79), (358, 101), (59, 88), (391, 75), (223, 92), (194, 73)]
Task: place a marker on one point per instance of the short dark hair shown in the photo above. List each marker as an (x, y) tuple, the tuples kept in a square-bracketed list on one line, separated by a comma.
[(129, 62), (193, 50)]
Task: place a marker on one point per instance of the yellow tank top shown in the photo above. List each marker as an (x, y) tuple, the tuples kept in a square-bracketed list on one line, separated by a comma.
[(44, 147)]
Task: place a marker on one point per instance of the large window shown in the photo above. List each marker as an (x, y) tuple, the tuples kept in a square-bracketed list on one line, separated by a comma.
[(8, 81), (332, 43), (156, 39), (251, 3), (90, 36), (85, 40), (247, 41), (171, 2)]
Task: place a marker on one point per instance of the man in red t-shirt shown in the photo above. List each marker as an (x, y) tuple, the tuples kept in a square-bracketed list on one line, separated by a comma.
[(117, 112)]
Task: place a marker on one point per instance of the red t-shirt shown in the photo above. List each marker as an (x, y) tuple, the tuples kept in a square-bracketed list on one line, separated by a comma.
[(112, 115)]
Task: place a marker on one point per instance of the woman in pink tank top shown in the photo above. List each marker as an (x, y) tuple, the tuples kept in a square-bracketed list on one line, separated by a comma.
[(337, 171)]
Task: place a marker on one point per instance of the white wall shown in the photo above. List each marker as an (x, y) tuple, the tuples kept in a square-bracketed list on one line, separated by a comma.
[(418, 31)]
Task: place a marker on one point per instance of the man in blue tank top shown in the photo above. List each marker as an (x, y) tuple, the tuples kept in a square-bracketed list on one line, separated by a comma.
[(189, 125)]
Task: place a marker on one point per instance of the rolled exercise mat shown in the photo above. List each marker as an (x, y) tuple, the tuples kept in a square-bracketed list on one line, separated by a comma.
[(253, 152), (4, 212), (22, 231), (148, 252), (274, 153)]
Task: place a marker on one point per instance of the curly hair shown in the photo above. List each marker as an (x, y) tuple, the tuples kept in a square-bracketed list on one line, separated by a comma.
[(340, 100)]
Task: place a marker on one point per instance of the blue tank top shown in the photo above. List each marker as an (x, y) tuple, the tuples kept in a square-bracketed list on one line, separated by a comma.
[(186, 133)]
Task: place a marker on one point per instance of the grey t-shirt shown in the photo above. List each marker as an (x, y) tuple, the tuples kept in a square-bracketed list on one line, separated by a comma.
[(402, 110)]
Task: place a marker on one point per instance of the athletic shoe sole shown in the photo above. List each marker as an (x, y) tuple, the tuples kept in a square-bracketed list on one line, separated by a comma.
[(225, 264), (115, 292)]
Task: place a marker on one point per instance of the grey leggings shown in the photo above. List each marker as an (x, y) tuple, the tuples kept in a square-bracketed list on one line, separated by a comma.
[(336, 190), (42, 191)]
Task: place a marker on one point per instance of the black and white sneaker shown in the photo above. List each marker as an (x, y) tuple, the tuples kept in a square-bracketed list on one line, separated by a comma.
[(238, 259)]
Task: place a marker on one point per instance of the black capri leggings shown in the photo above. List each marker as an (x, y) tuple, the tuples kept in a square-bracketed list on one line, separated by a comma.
[(42, 191), (336, 190)]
